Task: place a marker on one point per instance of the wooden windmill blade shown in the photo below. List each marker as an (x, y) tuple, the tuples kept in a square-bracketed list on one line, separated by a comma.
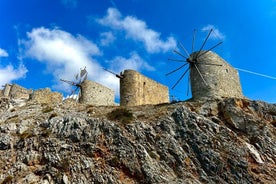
[(176, 69), (82, 75), (193, 42), (73, 92), (69, 82), (85, 77), (83, 72), (184, 49), (77, 76), (206, 39), (180, 78), (79, 79), (113, 73)]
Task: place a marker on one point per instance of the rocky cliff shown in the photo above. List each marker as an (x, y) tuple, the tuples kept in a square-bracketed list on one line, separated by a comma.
[(216, 141)]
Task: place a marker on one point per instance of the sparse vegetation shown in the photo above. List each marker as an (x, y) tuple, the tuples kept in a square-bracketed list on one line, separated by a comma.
[(64, 165), (47, 109), (90, 111), (46, 132), (122, 115), (114, 161), (7, 180), (26, 134), (53, 115)]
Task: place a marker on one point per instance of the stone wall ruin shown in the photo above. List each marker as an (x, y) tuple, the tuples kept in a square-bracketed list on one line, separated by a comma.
[(137, 89), (46, 96), (16, 92)]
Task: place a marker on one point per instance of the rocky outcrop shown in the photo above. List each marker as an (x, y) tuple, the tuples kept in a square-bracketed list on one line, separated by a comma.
[(215, 141)]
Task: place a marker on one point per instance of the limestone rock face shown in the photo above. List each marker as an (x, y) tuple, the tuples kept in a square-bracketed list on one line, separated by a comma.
[(215, 141)]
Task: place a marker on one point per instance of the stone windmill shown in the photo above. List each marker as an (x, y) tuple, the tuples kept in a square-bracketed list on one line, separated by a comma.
[(90, 92), (137, 89), (209, 75), (80, 79)]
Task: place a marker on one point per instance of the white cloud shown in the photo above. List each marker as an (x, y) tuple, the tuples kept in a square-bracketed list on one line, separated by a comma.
[(137, 30), (216, 32), (134, 62), (64, 54), (3, 53), (107, 38), (70, 3), (9, 73)]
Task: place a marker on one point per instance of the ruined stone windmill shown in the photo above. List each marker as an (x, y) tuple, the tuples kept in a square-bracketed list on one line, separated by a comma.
[(90, 92), (209, 75), (80, 78)]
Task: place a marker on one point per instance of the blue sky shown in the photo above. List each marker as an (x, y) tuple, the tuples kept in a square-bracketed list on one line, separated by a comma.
[(42, 41)]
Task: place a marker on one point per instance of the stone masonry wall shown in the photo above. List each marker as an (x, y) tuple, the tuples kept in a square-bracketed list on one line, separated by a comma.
[(96, 94), (17, 92), (222, 81), (6, 90), (46, 96), (136, 89)]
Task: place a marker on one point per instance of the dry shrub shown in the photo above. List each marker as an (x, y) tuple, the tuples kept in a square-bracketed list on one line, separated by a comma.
[(47, 109), (122, 115), (7, 180)]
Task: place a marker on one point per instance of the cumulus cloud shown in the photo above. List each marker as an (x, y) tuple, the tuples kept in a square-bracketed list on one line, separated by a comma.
[(9, 73), (107, 38), (216, 32), (137, 30), (64, 54), (3, 53), (134, 62)]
